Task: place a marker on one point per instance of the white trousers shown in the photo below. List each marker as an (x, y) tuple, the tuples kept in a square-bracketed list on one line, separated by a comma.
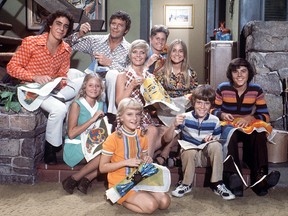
[(110, 84), (57, 110)]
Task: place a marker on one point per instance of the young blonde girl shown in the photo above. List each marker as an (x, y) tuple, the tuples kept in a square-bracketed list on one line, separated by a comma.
[(123, 151), (84, 112)]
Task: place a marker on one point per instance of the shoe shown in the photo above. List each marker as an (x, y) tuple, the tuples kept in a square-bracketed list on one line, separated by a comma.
[(83, 185), (261, 188), (69, 184), (164, 161), (181, 190), (50, 154), (236, 185), (222, 191), (273, 178)]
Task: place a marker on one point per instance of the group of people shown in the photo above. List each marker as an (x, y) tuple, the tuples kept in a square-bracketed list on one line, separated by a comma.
[(139, 135)]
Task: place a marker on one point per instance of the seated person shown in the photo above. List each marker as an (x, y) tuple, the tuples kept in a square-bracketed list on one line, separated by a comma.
[(41, 59), (197, 128), (123, 151), (83, 113), (158, 49)]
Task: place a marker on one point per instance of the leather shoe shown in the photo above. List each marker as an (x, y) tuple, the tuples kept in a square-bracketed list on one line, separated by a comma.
[(261, 189), (83, 185), (69, 184), (49, 154), (236, 185)]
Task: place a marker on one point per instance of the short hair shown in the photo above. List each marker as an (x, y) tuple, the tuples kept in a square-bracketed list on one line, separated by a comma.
[(237, 63), (203, 92), (56, 14), (159, 28), (139, 44), (82, 91), (122, 15)]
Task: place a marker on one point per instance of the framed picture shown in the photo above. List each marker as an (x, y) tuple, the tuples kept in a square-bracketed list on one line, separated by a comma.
[(92, 9), (179, 16)]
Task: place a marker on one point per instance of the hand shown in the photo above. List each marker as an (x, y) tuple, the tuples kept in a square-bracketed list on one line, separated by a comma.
[(42, 79), (154, 57), (84, 29), (244, 121), (137, 81), (227, 117), (208, 138), (147, 159), (133, 162), (179, 120), (98, 114), (102, 59)]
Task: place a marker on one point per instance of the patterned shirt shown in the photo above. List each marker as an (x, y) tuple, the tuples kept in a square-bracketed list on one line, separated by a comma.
[(33, 58), (194, 131), (100, 44), (177, 85), (251, 101), (130, 76)]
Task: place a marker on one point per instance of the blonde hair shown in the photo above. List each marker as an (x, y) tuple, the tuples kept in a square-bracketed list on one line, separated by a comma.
[(139, 44), (128, 103), (167, 69), (82, 91)]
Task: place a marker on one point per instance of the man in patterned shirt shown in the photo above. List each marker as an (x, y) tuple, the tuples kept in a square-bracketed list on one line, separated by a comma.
[(109, 50), (41, 59)]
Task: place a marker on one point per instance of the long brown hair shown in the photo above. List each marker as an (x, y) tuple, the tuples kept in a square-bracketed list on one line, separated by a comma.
[(168, 63)]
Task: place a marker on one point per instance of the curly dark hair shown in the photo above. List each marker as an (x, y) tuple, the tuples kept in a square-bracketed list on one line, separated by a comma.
[(122, 15), (236, 64), (56, 14)]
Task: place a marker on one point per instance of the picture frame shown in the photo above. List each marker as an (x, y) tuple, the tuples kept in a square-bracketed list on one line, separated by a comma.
[(94, 10), (179, 16)]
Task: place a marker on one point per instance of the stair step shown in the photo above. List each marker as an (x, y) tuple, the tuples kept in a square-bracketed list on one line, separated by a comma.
[(57, 173)]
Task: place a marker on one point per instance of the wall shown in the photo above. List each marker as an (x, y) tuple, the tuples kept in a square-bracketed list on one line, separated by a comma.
[(194, 38)]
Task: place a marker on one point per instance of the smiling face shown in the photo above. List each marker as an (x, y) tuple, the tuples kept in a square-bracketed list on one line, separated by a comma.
[(158, 42), (59, 28), (131, 119), (201, 108), (117, 28), (177, 53), (93, 88), (240, 77), (138, 56)]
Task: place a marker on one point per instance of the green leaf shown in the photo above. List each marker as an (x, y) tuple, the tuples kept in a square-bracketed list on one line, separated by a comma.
[(15, 106), (6, 94)]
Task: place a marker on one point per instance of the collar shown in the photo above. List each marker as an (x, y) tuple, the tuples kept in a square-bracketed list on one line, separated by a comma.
[(196, 117)]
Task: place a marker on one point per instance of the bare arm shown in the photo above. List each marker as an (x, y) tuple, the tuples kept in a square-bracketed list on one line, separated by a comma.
[(73, 128), (170, 133)]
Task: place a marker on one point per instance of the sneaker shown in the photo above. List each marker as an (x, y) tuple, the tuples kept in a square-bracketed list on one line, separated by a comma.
[(222, 191), (181, 190)]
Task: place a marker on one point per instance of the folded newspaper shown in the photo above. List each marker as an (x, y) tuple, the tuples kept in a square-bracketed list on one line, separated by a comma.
[(154, 94), (31, 95), (148, 177)]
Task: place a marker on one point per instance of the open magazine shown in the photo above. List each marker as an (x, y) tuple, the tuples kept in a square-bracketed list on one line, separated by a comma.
[(147, 177), (31, 95)]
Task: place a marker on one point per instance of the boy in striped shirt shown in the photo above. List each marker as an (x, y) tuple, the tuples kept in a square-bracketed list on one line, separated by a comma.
[(199, 132)]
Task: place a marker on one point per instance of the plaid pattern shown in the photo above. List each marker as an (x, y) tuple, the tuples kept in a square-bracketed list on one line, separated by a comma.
[(33, 58), (100, 44), (131, 75)]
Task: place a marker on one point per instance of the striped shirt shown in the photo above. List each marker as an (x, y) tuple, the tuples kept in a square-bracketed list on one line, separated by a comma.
[(100, 44), (251, 101), (33, 58), (194, 131)]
